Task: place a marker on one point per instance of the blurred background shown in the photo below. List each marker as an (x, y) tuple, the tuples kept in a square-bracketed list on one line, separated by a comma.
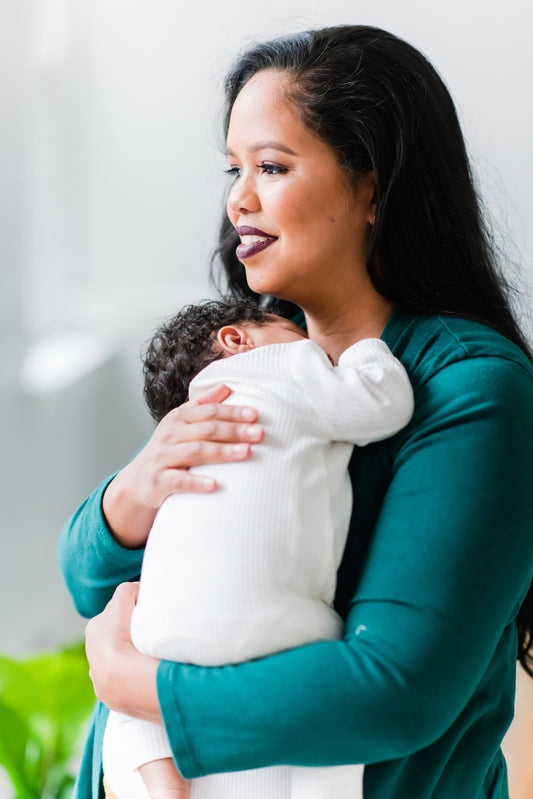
[(111, 187)]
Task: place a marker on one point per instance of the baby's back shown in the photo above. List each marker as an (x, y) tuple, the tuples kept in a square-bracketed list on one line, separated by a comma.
[(250, 568)]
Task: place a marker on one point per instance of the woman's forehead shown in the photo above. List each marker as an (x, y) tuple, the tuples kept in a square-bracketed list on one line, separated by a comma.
[(263, 115)]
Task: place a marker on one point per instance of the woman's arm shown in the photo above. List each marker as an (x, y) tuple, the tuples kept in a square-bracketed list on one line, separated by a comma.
[(449, 562), (100, 546), (91, 561)]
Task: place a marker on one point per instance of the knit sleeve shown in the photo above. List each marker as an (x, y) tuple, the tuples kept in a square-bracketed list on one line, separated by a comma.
[(91, 561), (367, 397), (449, 562)]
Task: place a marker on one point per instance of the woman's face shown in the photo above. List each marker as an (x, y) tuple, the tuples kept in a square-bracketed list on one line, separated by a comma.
[(303, 228)]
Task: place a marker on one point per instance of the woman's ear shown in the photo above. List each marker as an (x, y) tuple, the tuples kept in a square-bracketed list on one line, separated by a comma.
[(233, 339), (370, 183)]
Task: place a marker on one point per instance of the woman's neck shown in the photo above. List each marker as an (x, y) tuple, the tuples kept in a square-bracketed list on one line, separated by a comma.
[(334, 330)]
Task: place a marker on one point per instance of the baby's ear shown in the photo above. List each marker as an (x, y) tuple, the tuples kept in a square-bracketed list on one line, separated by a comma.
[(234, 339)]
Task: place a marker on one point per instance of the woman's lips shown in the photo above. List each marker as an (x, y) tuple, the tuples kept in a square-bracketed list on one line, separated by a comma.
[(245, 250), (253, 241)]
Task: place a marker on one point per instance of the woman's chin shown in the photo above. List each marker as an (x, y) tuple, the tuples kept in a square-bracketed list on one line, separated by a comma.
[(258, 283), (261, 283), (270, 290)]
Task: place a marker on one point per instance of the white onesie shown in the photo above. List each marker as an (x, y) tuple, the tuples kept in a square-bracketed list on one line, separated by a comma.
[(250, 569)]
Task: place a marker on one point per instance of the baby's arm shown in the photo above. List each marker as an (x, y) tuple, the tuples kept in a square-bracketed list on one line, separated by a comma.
[(138, 751), (365, 398)]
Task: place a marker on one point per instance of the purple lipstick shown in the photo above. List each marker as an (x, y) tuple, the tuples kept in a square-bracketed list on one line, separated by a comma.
[(253, 241)]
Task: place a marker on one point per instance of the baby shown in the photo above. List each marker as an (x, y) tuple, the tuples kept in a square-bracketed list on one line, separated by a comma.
[(250, 569)]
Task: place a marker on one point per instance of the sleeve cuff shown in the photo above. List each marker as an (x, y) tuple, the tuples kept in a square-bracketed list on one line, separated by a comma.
[(144, 741), (167, 688), (367, 349), (113, 552)]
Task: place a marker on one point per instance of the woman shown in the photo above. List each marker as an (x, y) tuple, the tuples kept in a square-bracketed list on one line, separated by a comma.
[(352, 201)]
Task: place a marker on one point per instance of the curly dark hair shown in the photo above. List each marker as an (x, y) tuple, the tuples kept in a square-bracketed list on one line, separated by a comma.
[(185, 344)]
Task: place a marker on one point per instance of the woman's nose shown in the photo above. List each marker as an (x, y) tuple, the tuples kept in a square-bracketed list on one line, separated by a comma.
[(243, 197)]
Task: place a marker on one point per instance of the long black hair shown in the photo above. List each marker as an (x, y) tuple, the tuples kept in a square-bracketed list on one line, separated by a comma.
[(382, 107)]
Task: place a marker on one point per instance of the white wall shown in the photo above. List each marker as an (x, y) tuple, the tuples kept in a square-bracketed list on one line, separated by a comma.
[(110, 193)]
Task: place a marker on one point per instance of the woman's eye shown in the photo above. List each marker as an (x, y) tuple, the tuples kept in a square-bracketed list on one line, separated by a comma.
[(273, 169), (233, 171), (266, 169)]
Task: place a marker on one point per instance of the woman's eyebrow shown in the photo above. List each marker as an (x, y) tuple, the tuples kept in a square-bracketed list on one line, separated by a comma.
[(266, 145)]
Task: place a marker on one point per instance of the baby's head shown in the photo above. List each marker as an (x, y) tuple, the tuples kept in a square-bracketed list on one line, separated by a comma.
[(197, 336)]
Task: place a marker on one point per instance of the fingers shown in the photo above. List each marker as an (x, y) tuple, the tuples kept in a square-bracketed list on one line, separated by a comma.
[(177, 479), (126, 593), (220, 423), (191, 412), (197, 453), (223, 432), (198, 433), (106, 637), (217, 394)]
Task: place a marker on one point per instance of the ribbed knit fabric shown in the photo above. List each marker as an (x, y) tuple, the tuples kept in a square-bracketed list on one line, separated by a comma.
[(251, 568)]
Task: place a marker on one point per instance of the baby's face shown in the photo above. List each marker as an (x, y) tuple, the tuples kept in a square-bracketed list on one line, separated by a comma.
[(276, 331)]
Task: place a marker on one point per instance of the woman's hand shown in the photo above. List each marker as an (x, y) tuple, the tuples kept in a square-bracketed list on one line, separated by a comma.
[(199, 432), (123, 678)]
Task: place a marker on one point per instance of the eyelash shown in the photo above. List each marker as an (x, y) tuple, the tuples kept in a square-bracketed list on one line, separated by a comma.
[(267, 169)]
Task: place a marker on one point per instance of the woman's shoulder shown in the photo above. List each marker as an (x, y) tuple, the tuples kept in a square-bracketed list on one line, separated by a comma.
[(427, 344)]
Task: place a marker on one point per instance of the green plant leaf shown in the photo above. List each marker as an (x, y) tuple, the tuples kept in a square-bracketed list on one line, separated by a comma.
[(45, 703), (13, 742)]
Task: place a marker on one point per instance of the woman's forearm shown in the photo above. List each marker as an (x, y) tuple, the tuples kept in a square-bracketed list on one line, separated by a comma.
[(92, 562), (129, 521)]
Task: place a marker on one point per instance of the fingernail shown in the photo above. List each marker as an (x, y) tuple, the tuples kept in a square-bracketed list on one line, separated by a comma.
[(208, 483), (240, 449), (248, 414), (254, 432)]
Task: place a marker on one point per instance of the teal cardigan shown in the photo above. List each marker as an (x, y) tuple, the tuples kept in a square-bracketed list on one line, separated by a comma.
[(438, 560)]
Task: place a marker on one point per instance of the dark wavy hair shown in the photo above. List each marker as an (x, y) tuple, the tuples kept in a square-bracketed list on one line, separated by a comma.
[(185, 344), (382, 107)]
